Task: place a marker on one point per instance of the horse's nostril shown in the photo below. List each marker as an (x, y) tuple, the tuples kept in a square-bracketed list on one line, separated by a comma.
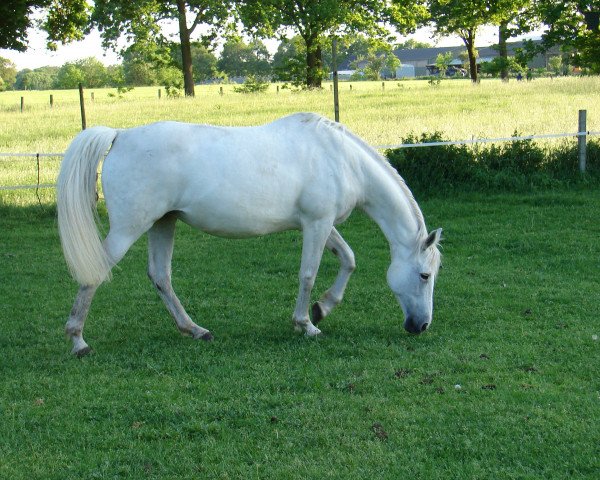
[(424, 327)]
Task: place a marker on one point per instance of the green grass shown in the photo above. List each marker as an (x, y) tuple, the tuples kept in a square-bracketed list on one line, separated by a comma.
[(516, 312)]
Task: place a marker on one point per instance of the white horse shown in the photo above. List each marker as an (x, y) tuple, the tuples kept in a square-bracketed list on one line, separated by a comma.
[(300, 172)]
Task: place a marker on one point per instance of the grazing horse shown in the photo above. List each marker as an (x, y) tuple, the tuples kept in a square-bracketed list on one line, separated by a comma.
[(301, 172)]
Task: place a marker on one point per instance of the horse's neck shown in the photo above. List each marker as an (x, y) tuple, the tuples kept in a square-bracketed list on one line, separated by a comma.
[(391, 207)]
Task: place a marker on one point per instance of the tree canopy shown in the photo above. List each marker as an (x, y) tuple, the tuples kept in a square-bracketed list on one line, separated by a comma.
[(569, 26), (150, 55), (313, 20), (462, 18)]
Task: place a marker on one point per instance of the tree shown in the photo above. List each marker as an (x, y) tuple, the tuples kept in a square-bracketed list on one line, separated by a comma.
[(376, 58), (43, 78), (94, 72), (8, 73), (88, 71), (137, 70), (69, 76), (512, 17), (442, 62), (568, 27), (63, 20), (463, 18), (204, 62), (239, 59), (555, 64), (289, 62), (313, 20), (16, 19), (139, 20)]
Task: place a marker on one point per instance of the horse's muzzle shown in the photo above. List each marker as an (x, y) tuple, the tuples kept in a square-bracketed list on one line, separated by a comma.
[(415, 326)]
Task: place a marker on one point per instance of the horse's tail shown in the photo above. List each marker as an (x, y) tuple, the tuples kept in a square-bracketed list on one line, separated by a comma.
[(76, 198)]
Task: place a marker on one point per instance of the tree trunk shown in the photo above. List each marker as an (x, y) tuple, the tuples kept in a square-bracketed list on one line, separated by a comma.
[(469, 40), (314, 63), (186, 51), (502, 50)]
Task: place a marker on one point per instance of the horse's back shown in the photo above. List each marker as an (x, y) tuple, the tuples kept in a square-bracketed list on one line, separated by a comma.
[(231, 180)]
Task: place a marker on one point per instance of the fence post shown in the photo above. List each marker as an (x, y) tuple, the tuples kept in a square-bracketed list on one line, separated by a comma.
[(221, 91), (336, 98), (82, 107), (51, 101), (159, 93), (582, 140), (22, 104)]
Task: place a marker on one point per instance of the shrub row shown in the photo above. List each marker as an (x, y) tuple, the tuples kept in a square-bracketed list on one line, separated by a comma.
[(520, 165)]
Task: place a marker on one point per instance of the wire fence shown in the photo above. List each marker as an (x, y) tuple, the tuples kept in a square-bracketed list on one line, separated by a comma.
[(472, 141)]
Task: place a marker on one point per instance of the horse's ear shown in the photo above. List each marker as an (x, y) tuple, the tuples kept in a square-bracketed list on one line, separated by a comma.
[(432, 239)]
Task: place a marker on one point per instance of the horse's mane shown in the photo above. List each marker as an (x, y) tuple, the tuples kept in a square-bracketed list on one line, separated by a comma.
[(341, 129)]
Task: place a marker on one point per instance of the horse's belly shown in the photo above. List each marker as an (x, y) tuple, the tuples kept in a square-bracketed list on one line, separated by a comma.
[(225, 219)]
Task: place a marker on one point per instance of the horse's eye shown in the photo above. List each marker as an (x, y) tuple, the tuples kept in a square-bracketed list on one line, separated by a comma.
[(425, 276)]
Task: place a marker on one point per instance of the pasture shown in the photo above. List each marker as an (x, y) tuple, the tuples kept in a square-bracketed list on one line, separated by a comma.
[(504, 385)]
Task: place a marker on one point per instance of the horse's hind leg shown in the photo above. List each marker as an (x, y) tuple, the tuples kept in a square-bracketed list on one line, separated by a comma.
[(160, 252), (74, 326), (116, 245), (333, 296)]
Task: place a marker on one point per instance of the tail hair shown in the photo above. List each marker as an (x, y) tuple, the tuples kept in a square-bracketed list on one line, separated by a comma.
[(86, 257)]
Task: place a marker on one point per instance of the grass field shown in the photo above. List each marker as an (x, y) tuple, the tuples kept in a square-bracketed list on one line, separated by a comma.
[(504, 385), (516, 328), (381, 116)]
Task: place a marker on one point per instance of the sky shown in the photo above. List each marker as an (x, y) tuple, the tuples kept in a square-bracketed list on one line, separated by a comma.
[(37, 55)]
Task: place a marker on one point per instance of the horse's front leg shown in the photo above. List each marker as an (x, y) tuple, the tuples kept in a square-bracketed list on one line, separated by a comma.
[(333, 296), (315, 235)]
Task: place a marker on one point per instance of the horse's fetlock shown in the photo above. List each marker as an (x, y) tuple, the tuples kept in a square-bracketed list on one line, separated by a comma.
[(332, 299), (301, 322)]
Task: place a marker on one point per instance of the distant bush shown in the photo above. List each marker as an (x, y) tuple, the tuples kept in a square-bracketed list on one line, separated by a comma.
[(520, 165), (252, 84)]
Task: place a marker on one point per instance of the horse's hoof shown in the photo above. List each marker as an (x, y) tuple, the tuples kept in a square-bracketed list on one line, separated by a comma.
[(207, 337), (82, 352), (317, 313), (312, 331)]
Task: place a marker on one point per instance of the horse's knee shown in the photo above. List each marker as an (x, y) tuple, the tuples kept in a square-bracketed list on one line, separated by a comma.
[(350, 262), (160, 282), (307, 279)]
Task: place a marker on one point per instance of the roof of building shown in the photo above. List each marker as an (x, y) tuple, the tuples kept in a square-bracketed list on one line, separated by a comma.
[(429, 54)]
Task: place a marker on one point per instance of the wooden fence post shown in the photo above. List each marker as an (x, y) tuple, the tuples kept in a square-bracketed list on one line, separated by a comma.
[(336, 98), (51, 101), (221, 91), (159, 93), (22, 104), (82, 107), (582, 140)]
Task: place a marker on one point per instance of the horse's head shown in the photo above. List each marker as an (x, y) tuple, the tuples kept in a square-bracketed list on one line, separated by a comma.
[(411, 277)]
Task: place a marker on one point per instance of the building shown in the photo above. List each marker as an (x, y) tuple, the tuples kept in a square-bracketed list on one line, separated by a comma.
[(423, 59)]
